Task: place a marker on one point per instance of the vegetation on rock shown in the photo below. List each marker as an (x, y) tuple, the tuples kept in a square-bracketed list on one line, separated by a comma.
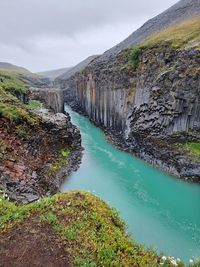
[(34, 104), (134, 56)]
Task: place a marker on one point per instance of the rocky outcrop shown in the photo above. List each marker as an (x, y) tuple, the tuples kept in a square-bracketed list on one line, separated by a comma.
[(34, 160)]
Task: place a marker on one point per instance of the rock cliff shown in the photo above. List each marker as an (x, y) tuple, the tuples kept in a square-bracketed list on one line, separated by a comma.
[(38, 149), (52, 98)]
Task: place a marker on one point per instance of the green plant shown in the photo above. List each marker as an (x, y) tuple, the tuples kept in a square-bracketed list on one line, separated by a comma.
[(34, 104), (135, 56), (70, 233), (64, 153), (21, 131), (13, 87), (49, 218), (194, 148)]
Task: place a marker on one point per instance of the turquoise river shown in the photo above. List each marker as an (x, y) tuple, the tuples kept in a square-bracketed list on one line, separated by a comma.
[(160, 211)]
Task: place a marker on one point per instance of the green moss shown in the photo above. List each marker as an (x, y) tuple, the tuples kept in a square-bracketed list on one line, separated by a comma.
[(21, 131), (10, 107), (49, 218), (60, 162), (34, 104), (194, 148), (16, 114), (13, 87)]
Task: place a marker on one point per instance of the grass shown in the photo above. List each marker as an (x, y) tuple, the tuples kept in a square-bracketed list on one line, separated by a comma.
[(194, 148), (10, 106), (191, 149), (16, 114), (180, 35), (91, 232), (34, 104), (60, 162), (10, 82)]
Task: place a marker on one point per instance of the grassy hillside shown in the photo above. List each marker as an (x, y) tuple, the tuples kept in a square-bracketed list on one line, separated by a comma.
[(22, 74), (10, 67), (182, 35)]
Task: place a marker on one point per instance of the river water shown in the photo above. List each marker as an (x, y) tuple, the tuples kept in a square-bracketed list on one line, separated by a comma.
[(160, 211)]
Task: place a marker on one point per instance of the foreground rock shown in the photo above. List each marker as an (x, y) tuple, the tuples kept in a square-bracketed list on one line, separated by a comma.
[(34, 159)]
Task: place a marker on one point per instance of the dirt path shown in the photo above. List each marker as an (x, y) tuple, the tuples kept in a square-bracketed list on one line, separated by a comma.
[(30, 246)]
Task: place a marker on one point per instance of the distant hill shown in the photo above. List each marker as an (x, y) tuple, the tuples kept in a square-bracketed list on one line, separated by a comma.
[(76, 68), (52, 74), (29, 78), (11, 67)]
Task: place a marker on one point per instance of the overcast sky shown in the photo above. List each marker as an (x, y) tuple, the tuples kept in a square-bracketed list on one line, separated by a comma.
[(50, 34)]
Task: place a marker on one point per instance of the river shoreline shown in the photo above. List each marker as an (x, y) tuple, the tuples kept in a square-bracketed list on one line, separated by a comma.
[(149, 201), (165, 160)]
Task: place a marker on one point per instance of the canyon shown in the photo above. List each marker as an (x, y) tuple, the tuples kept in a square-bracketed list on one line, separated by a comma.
[(150, 104)]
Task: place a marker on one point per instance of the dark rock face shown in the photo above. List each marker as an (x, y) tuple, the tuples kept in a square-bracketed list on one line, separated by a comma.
[(33, 166), (151, 109)]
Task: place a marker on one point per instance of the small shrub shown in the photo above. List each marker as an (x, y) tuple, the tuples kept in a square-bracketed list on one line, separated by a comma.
[(34, 104), (70, 233), (135, 56), (64, 153)]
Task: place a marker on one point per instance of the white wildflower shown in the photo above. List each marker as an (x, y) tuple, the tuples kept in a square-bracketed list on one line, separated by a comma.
[(164, 258), (191, 261), (174, 262), (179, 260)]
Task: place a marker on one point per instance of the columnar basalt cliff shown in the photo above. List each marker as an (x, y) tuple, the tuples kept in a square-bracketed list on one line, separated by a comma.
[(151, 103), (50, 97)]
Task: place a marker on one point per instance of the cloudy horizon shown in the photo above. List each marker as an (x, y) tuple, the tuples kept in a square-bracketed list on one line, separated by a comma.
[(49, 34)]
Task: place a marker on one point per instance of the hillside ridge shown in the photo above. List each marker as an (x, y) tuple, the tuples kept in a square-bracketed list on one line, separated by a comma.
[(182, 10)]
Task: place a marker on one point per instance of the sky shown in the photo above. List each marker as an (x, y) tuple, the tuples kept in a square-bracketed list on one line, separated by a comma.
[(50, 34)]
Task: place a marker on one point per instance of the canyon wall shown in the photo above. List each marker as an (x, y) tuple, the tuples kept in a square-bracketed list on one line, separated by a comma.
[(150, 108), (161, 97)]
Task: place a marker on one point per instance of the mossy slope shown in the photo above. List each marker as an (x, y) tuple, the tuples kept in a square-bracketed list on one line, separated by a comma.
[(91, 233), (181, 35)]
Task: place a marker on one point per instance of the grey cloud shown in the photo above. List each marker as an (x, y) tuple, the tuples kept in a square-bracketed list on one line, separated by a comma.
[(26, 24)]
